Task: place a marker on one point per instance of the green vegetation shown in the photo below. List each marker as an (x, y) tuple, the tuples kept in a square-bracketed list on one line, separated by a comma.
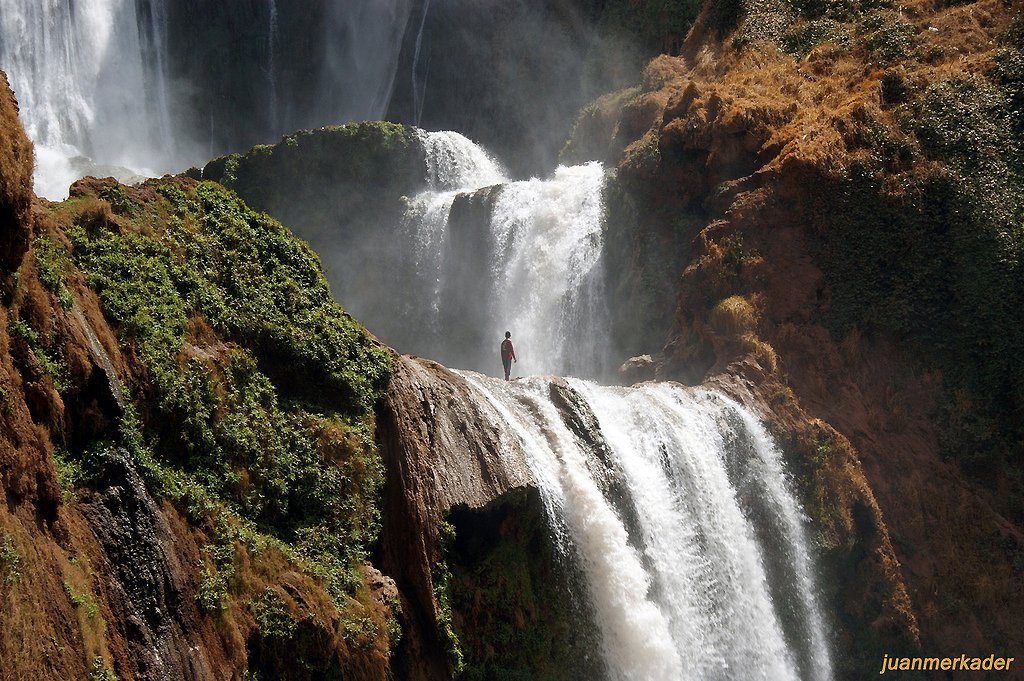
[(70, 473), (803, 37), (10, 562), (798, 26), (253, 406), (218, 569), (272, 616), (888, 37), (100, 671), (81, 600), (38, 344), (51, 261), (119, 201), (376, 153), (441, 576)]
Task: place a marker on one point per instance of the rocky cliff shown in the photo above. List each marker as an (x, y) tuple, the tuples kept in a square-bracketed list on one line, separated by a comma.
[(191, 478), (206, 460), (839, 187), (209, 468)]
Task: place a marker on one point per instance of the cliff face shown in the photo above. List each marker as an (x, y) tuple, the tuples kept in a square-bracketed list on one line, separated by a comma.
[(179, 504), (439, 454), (195, 445), (840, 186)]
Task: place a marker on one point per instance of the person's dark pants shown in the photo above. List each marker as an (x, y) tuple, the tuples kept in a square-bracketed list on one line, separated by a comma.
[(507, 362)]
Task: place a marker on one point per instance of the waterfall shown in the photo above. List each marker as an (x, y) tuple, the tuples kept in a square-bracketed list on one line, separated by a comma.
[(417, 98), (142, 87), (271, 66), (491, 254), (76, 66), (675, 504)]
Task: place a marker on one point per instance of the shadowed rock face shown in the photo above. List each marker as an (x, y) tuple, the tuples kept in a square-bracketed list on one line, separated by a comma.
[(15, 180), (147, 581), (440, 452)]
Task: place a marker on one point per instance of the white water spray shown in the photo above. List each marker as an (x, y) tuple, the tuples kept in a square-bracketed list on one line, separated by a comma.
[(74, 68), (677, 508), (99, 93), (534, 266)]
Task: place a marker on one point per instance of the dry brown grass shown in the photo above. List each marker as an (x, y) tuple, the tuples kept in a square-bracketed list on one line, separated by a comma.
[(733, 316), (16, 161)]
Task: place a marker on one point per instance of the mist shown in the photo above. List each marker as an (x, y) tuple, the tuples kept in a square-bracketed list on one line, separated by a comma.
[(135, 88)]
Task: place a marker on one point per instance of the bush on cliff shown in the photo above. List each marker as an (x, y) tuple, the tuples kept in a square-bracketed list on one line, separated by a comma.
[(254, 389)]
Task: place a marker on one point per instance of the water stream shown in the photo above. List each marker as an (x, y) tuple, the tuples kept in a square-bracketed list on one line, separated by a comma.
[(131, 88), (676, 505), (490, 255)]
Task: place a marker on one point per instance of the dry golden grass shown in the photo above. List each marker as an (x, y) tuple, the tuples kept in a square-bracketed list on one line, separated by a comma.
[(733, 316), (763, 353)]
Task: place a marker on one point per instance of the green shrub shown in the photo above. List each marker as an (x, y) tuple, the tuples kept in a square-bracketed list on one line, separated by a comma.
[(275, 425), (51, 261), (272, 616), (100, 671), (50, 365), (803, 37), (10, 562), (888, 37)]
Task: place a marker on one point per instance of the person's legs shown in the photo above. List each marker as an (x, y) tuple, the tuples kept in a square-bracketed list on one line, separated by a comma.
[(508, 366)]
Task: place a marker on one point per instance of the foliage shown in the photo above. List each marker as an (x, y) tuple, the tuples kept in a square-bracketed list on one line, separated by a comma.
[(217, 570), (888, 37), (932, 252), (733, 316), (51, 366), (1009, 71), (70, 473), (255, 404), (81, 600), (119, 201), (272, 616), (802, 37), (51, 261), (441, 576), (10, 562), (100, 671)]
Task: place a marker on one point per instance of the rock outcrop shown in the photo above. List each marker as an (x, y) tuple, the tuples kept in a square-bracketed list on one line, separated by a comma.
[(117, 557), (16, 164), (816, 175), (440, 453)]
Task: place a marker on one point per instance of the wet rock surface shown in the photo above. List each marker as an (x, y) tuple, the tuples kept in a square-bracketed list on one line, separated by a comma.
[(147, 579), (440, 451)]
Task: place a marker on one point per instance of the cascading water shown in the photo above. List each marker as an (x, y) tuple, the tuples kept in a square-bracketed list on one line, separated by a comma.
[(139, 87), (76, 67), (528, 259), (675, 504)]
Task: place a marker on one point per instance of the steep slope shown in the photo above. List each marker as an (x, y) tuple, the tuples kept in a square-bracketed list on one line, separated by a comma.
[(191, 481), (839, 186)]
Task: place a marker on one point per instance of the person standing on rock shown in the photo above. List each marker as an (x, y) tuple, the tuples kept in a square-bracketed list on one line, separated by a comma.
[(508, 354)]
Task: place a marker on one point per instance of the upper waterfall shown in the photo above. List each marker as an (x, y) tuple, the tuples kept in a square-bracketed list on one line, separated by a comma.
[(489, 254), (129, 87)]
